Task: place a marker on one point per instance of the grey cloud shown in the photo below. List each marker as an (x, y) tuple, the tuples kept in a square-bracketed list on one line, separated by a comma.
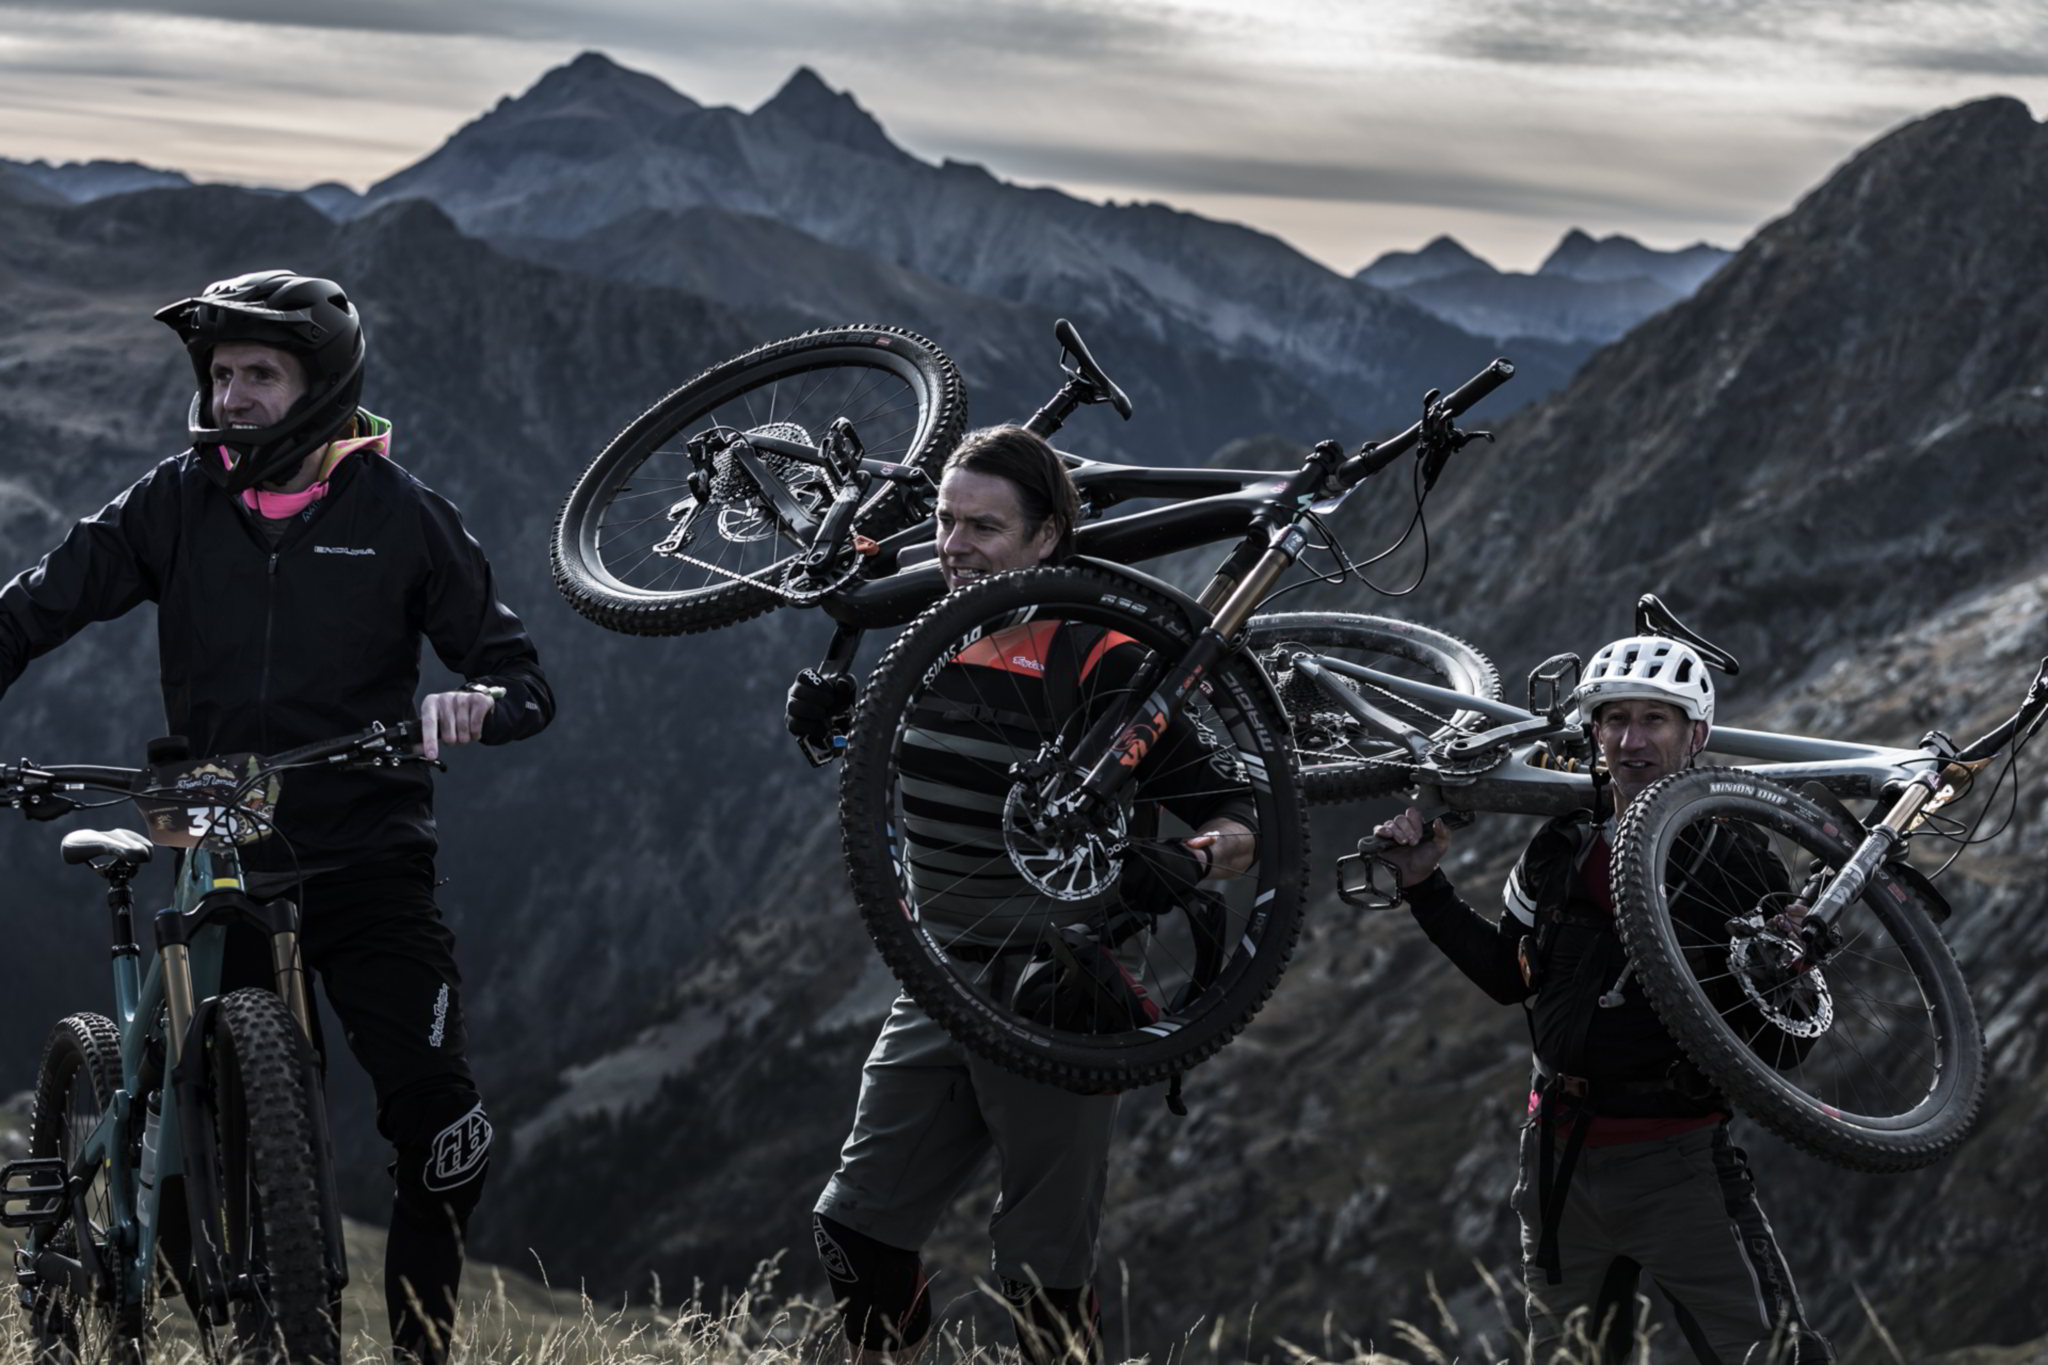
[(996, 30), (1598, 33), (1184, 173), (506, 18), (2002, 62)]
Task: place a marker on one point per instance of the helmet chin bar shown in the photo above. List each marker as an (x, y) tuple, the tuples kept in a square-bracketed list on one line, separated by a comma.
[(267, 454)]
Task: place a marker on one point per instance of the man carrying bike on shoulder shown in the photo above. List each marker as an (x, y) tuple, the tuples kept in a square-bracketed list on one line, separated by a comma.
[(1626, 1165), (929, 1112), (296, 569)]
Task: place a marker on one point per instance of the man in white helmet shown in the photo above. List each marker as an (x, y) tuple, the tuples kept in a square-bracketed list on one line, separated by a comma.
[(1626, 1164)]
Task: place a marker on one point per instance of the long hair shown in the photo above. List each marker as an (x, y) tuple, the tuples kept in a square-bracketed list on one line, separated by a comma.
[(1045, 491)]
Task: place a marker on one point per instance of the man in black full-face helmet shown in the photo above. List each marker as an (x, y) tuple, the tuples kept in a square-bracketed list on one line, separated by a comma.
[(296, 569)]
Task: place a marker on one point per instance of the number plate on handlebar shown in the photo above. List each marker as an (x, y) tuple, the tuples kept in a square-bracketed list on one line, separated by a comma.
[(186, 804)]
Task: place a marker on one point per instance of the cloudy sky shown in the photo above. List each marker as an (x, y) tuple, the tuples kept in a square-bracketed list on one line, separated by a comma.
[(1349, 127)]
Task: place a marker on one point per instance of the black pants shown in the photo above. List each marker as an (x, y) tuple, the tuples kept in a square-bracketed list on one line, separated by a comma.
[(373, 937)]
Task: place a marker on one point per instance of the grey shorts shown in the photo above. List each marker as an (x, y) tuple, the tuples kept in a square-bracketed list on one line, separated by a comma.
[(929, 1113)]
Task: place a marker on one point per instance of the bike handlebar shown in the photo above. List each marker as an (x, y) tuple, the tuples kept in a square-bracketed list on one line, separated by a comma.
[(2032, 710), (378, 743), (1375, 456)]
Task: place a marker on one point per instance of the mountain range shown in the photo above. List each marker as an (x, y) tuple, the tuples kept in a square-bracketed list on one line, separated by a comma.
[(1828, 456), (1585, 290)]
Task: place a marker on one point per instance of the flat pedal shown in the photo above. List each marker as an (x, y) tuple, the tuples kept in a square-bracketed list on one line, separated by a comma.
[(34, 1192)]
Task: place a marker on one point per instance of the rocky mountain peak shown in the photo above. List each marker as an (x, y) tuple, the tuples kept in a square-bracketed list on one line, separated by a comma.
[(1578, 256), (596, 83), (806, 102), (1444, 256)]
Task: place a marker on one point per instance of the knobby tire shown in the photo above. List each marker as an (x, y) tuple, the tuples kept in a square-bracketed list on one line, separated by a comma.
[(1340, 759), (1895, 1066), (904, 397), (966, 973), (267, 1156), (80, 1071)]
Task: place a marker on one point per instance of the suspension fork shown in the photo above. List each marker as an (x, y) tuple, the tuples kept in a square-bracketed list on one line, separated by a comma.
[(1280, 519), (1883, 840)]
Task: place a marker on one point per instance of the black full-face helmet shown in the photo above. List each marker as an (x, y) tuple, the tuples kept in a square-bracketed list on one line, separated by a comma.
[(312, 319)]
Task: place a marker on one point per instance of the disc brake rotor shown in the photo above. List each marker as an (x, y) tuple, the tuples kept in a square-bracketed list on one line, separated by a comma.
[(1780, 980), (1060, 849)]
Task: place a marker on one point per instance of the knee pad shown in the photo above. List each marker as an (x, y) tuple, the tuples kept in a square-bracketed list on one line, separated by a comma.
[(880, 1289), (443, 1139), (1055, 1326)]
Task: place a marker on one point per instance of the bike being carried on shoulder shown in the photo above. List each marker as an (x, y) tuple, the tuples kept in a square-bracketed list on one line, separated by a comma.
[(186, 1131), (741, 492), (1831, 1010)]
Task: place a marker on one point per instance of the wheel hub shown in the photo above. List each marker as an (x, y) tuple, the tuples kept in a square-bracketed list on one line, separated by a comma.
[(1781, 976), (1061, 842)]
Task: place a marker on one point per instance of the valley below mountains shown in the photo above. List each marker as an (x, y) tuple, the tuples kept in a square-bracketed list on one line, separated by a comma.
[(1828, 452)]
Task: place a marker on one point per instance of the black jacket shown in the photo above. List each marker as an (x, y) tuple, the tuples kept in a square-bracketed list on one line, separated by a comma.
[(266, 648), (1576, 952)]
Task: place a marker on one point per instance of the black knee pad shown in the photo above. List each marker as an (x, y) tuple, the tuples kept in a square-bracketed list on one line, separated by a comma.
[(880, 1289), (443, 1137), (1055, 1326)]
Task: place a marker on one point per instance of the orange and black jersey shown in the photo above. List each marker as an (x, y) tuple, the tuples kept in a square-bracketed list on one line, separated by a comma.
[(997, 703)]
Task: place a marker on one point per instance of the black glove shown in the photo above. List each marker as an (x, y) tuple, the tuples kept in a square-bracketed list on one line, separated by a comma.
[(819, 707)]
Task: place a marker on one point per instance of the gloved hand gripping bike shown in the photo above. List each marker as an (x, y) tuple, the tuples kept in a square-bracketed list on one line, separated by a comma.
[(1828, 1006)]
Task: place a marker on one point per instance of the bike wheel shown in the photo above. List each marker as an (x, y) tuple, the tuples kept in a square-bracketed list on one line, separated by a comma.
[(81, 1069), (1045, 934), (267, 1158), (1341, 759), (1884, 1060), (635, 551)]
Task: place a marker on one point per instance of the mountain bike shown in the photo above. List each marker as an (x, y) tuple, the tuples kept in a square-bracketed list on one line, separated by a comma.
[(187, 1131), (1841, 965), (1013, 858), (802, 474)]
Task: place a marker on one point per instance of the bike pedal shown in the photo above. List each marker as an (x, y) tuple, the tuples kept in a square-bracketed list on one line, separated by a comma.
[(33, 1192)]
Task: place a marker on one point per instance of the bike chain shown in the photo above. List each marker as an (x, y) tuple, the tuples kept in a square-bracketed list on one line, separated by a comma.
[(1402, 760), (728, 484)]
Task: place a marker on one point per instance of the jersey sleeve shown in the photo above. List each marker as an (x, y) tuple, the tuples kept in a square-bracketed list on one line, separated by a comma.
[(109, 563), (477, 635), (1488, 951)]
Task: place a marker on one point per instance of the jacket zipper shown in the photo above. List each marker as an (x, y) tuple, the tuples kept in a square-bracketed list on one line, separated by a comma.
[(269, 624)]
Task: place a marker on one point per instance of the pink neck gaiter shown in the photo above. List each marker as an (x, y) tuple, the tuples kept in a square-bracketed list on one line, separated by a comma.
[(277, 506)]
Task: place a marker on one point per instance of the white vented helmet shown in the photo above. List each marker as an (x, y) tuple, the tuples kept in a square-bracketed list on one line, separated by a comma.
[(1649, 667)]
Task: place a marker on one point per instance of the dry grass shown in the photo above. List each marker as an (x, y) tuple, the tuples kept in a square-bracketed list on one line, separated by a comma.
[(514, 1319)]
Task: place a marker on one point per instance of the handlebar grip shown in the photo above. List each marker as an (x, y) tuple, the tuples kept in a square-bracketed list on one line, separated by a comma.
[(1479, 385), (1372, 458)]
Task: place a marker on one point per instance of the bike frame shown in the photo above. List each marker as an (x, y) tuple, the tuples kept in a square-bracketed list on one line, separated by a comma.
[(1511, 767), (162, 1017)]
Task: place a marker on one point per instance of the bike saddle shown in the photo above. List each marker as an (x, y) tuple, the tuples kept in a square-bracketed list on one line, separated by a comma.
[(102, 847), (1654, 618)]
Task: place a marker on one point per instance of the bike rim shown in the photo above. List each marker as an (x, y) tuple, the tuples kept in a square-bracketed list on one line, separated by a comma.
[(993, 912), (645, 501), (1879, 1034)]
